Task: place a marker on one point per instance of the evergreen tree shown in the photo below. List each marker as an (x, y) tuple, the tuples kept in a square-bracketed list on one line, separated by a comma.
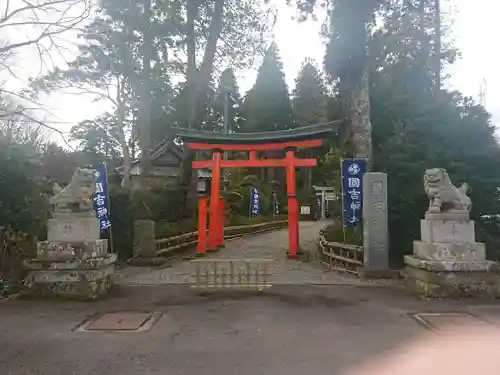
[(346, 60), (309, 104), (416, 127), (227, 97), (309, 96), (267, 104)]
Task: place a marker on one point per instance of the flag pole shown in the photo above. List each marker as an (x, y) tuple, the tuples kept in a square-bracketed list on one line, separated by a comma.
[(250, 204), (111, 244)]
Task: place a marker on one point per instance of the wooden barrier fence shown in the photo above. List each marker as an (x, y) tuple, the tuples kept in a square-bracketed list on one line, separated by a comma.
[(231, 273), (185, 241), (341, 256)]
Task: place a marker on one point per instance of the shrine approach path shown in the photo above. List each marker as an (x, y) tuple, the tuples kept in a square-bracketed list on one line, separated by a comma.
[(270, 245)]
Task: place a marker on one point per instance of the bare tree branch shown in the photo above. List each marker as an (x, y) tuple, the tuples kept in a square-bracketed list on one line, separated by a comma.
[(39, 23), (45, 125)]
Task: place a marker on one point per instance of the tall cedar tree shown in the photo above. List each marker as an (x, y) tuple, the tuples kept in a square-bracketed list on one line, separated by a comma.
[(346, 60), (227, 90), (309, 95), (309, 104), (267, 105)]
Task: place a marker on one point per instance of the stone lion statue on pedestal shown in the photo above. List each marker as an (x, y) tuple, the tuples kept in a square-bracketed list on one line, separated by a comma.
[(443, 195), (77, 195)]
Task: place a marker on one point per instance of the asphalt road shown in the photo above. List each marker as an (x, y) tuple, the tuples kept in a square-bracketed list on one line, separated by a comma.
[(287, 330)]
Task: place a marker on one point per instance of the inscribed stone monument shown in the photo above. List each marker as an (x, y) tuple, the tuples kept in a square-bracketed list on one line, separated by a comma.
[(447, 261), (74, 261), (375, 230)]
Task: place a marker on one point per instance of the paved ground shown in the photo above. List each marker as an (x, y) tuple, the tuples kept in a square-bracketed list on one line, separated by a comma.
[(270, 245), (287, 330)]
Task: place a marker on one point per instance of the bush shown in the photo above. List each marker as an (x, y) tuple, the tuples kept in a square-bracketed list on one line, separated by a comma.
[(335, 232), (21, 196), (122, 221), (15, 247), (488, 231), (159, 204), (171, 229)]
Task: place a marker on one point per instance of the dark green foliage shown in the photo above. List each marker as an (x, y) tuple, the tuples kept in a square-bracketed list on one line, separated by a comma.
[(122, 221), (309, 96), (159, 204), (15, 247), (335, 232), (449, 132), (227, 89), (167, 229), (239, 195), (21, 198), (415, 128), (349, 24), (95, 136), (267, 105)]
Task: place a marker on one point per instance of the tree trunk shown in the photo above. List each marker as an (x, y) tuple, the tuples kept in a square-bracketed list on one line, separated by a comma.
[(120, 122), (145, 97), (437, 51), (198, 86), (191, 72), (361, 126), (127, 160)]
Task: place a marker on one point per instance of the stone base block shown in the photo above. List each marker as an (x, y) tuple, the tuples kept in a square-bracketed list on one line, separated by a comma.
[(64, 251), (447, 228), (73, 229), (147, 262), (88, 279), (451, 266), (83, 291), (471, 252), (430, 284), (73, 264)]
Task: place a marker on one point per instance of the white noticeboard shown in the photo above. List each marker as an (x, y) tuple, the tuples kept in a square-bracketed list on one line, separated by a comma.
[(305, 210), (330, 197)]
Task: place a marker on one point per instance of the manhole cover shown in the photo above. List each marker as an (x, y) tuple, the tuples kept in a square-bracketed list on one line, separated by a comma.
[(121, 321), (439, 321)]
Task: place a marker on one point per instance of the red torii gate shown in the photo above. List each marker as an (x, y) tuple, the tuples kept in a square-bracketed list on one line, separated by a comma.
[(217, 143)]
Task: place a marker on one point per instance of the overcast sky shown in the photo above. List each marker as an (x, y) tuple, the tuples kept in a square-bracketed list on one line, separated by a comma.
[(472, 33)]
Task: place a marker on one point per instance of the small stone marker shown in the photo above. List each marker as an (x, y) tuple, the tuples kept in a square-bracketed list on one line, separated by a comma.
[(375, 229)]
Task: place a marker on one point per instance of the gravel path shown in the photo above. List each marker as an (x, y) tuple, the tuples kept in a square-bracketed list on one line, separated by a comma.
[(270, 245)]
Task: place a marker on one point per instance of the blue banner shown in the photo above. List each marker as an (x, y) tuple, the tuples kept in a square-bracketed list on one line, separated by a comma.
[(101, 197), (352, 191), (254, 202)]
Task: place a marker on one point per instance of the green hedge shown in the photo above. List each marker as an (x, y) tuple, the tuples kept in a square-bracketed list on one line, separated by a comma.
[(335, 232)]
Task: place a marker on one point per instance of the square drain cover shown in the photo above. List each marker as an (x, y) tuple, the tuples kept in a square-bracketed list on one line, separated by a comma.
[(442, 320), (121, 321)]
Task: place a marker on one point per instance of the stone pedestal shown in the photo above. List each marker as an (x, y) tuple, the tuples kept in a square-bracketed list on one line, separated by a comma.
[(448, 262), (145, 254), (73, 263)]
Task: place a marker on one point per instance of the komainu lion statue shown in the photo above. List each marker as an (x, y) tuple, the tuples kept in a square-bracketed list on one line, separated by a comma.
[(443, 195), (77, 195)]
